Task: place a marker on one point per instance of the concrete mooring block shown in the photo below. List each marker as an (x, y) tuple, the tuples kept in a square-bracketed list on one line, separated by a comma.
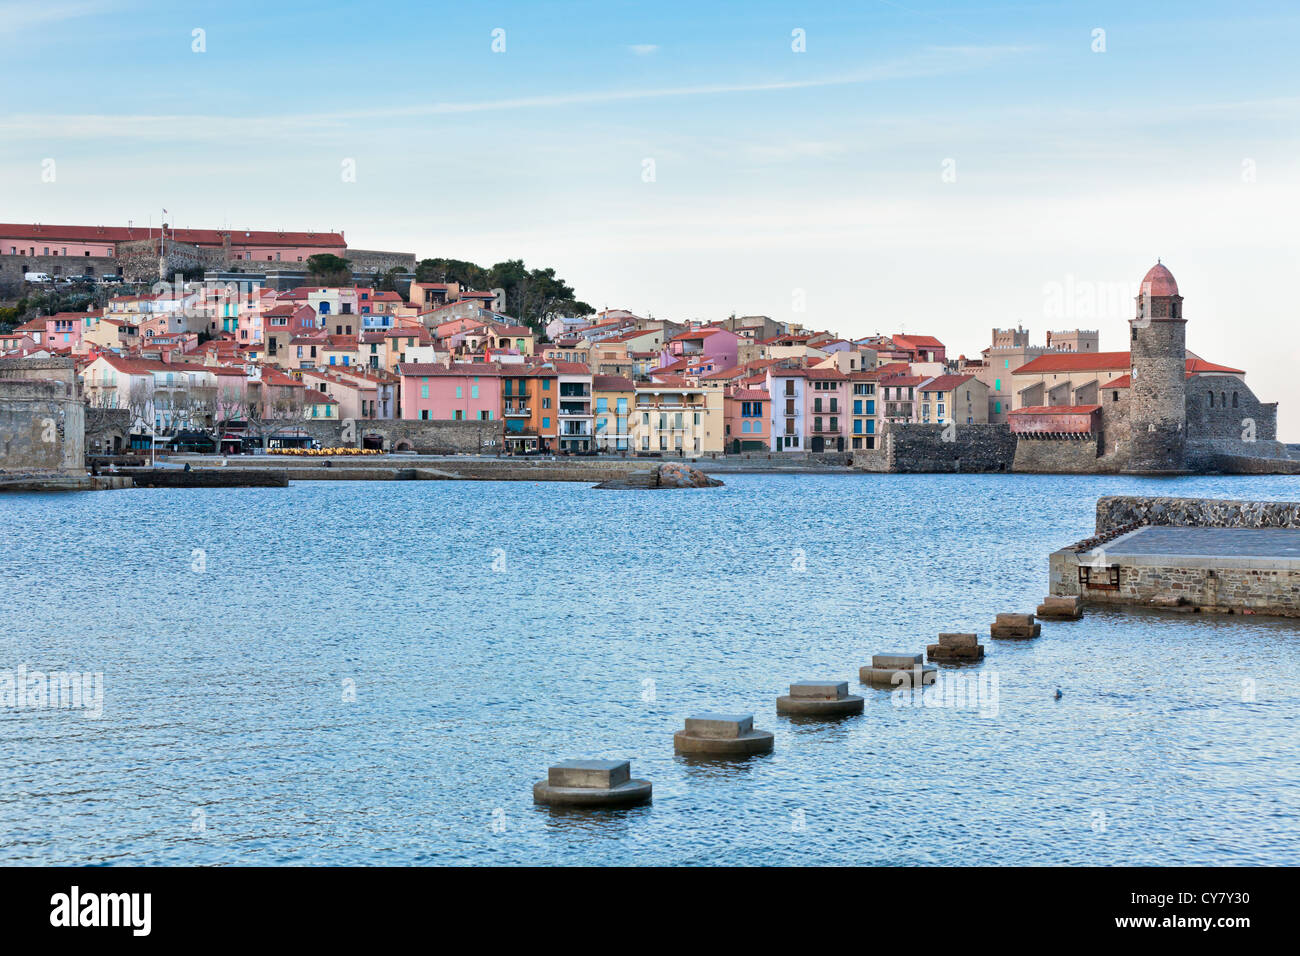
[(897, 670), (724, 735), (1015, 625), (1068, 608), (814, 698), (956, 648), (591, 783)]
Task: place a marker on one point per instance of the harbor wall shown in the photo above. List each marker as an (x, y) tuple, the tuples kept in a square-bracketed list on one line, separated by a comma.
[(1115, 511)]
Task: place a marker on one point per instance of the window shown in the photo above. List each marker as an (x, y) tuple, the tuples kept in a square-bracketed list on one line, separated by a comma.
[(424, 391), (546, 422), (460, 391), (997, 385), (997, 407), (1234, 399)]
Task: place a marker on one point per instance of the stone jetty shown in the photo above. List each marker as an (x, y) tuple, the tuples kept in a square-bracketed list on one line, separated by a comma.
[(722, 735), (819, 698), (591, 783), (956, 648), (1015, 625), (1061, 608), (670, 475), (207, 477), (897, 670)]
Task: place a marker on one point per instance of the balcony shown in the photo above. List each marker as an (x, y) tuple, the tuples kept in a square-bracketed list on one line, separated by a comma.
[(518, 412)]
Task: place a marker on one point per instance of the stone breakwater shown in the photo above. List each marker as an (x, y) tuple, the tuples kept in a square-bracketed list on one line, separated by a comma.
[(1117, 511), (671, 475), (636, 472), (1188, 554)]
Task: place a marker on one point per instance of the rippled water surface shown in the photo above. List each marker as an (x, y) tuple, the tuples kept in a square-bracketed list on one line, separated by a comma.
[(604, 619)]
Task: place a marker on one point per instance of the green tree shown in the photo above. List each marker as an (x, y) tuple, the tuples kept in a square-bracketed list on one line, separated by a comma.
[(388, 281), (531, 296), (329, 269)]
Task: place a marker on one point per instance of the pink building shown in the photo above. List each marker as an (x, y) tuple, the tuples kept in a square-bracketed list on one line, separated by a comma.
[(450, 393), (61, 331), (706, 350), (745, 412)]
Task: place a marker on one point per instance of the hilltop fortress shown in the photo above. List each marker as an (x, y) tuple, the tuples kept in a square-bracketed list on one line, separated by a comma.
[(145, 255)]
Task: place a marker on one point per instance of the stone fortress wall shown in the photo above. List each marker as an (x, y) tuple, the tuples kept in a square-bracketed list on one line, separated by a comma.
[(42, 418)]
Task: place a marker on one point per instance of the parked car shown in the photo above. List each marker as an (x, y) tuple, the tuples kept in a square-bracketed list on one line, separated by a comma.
[(81, 278), (37, 277), (109, 279)]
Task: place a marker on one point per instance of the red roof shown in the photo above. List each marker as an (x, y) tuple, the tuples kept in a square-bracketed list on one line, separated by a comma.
[(459, 370), (1075, 362), (917, 342), (1196, 366), (1159, 281), (946, 383), (197, 237), (1105, 362), (137, 366)]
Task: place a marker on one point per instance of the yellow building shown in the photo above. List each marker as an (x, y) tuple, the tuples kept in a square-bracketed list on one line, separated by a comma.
[(614, 401), (674, 418)]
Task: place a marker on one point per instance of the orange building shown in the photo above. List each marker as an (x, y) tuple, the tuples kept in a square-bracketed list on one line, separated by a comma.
[(530, 407)]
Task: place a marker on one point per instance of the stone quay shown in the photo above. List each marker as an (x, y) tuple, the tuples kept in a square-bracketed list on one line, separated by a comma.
[(722, 735), (819, 698), (1201, 555), (956, 647), (1015, 625), (897, 670), (1061, 608), (591, 783)]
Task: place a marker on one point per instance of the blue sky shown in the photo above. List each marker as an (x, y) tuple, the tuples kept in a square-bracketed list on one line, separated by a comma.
[(776, 172)]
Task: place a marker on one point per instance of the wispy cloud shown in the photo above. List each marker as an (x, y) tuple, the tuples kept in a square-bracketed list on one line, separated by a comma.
[(931, 61), (644, 49), (21, 16)]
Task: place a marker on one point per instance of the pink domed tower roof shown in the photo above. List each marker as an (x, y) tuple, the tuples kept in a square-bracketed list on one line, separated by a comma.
[(1159, 281)]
